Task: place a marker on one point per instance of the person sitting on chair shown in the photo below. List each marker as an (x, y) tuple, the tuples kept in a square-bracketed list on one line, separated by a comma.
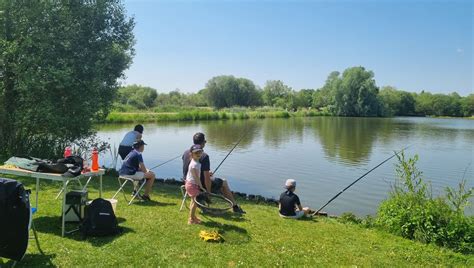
[(126, 145), (133, 167), (290, 202), (211, 184)]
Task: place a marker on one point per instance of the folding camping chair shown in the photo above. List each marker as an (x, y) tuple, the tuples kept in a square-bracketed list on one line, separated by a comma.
[(141, 182), (33, 228)]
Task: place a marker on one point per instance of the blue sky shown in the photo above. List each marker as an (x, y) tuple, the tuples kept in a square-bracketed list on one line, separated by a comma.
[(412, 45)]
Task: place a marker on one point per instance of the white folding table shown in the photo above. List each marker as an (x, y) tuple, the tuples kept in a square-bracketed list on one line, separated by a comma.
[(55, 177)]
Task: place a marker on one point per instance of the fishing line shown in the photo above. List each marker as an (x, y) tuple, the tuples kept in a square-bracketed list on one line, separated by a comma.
[(159, 165)]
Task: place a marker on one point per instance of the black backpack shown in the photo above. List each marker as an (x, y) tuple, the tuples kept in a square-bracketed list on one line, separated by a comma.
[(14, 219), (100, 219)]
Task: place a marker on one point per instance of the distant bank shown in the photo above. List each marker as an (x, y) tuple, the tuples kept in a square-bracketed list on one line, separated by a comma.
[(209, 114)]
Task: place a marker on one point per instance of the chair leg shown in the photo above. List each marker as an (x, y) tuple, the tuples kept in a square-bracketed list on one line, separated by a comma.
[(137, 192), (121, 189), (185, 195), (36, 237)]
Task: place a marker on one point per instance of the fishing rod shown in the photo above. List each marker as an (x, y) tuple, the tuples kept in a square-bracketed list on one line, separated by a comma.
[(231, 150), (159, 165), (354, 182)]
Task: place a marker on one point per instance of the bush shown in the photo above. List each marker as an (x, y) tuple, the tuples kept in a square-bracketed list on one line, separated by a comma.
[(413, 213), (349, 217)]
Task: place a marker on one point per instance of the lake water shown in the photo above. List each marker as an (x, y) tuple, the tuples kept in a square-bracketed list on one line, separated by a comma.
[(323, 154)]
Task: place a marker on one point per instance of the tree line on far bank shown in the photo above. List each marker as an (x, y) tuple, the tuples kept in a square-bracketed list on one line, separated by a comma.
[(350, 93)]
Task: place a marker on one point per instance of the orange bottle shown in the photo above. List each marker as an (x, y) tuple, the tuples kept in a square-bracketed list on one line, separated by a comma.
[(95, 160)]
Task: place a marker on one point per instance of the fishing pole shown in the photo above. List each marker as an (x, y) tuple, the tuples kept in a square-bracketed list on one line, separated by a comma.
[(354, 182), (159, 165), (231, 150)]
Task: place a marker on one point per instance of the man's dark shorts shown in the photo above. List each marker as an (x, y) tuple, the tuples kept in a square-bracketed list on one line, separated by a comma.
[(124, 151), (216, 185)]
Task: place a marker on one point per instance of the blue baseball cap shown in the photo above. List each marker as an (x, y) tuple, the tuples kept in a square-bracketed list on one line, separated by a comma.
[(196, 148)]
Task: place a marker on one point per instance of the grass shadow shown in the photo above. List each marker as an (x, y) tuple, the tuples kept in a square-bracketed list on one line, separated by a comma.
[(32, 260), (232, 234), (154, 203), (52, 225), (230, 216)]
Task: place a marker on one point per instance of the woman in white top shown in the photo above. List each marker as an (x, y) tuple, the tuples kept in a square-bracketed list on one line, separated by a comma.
[(126, 145), (193, 181)]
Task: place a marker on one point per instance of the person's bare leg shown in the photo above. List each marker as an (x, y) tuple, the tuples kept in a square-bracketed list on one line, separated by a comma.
[(227, 193), (192, 211), (150, 179), (306, 211)]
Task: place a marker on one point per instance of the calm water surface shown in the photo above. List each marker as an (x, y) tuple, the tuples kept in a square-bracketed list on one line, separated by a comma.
[(324, 154)]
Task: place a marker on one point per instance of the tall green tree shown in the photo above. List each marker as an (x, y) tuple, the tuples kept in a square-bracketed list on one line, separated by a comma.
[(324, 97), (137, 96), (59, 65), (356, 93), (467, 105), (304, 98), (396, 102), (275, 93), (227, 91)]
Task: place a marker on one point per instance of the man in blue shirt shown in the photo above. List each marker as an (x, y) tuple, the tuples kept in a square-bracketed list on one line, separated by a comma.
[(126, 145), (133, 167)]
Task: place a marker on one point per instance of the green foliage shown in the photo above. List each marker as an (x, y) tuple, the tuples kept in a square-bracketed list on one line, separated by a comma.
[(349, 217), (59, 65), (137, 96), (324, 97), (275, 93), (444, 105), (459, 198), (178, 99), (356, 93), (413, 213), (396, 102), (352, 93), (227, 91), (467, 105)]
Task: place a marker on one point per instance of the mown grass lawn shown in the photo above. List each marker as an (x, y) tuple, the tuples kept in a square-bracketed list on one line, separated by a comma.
[(157, 234)]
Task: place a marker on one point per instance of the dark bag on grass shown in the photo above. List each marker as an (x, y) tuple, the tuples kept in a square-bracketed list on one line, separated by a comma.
[(14, 219), (100, 219)]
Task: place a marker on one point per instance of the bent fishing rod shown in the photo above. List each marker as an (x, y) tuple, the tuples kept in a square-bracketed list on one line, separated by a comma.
[(354, 182), (159, 165), (231, 150)]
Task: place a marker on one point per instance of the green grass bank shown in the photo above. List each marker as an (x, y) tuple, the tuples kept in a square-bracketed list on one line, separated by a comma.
[(156, 234), (206, 114)]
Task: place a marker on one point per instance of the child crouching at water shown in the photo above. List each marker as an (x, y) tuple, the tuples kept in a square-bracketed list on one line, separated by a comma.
[(290, 202), (193, 181)]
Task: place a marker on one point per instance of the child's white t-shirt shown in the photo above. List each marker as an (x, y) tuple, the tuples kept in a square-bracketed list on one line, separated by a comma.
[(196, 166)]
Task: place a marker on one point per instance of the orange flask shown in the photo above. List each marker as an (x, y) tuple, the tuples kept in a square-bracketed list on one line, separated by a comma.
[(95, 160)]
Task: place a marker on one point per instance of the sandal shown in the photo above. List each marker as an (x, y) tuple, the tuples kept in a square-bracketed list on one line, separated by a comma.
[(190, 222)]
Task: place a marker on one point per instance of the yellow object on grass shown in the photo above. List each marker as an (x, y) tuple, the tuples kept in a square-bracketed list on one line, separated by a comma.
[(7, 166), (211, 236)]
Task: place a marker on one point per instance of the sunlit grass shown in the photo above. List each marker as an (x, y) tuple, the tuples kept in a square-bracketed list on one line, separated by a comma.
[(157, 234)]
